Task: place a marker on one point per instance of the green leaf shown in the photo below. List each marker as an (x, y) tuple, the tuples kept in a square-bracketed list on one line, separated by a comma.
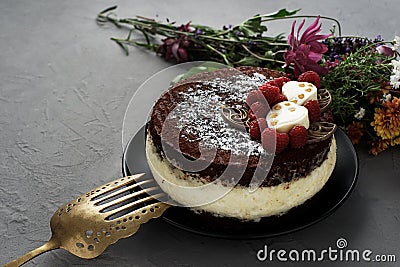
[(249, 61), (282, 13), (254, 22), (252, 26), (232, 36), (205, 67), (269, 54)]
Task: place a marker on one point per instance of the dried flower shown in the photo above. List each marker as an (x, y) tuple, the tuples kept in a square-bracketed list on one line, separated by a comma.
[(386, 97), (394, 79), (374, 98), (360, 114), (355, 131), (385, 87), (380, 96), (395, 141), (387, 120), (378, 146), (307, 51)]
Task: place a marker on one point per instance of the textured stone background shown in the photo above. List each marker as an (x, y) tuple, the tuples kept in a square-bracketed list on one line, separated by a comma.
[(64, 88)]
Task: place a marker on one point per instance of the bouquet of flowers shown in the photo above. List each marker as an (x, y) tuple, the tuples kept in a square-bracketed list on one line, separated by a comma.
[(362, 75)]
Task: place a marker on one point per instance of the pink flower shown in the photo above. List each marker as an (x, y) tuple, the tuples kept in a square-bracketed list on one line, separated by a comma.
[(306, 52), (176, 47), (385, 50)]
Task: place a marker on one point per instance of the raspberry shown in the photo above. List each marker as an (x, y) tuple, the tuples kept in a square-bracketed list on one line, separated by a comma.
[(269, 144), (256, 128), (279, 82), (252, 116), (254, 96), (270, 92), (314, 111), (280, 98), (259, 110), (298, 136), (311, 77)]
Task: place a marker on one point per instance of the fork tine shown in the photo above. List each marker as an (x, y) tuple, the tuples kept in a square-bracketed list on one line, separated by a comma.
[(128, 197), (132, 204), (118, 191), (113, 185)]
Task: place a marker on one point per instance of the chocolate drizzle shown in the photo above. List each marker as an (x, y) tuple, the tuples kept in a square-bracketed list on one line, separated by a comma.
[(320, 131), (324, 99), (236, 117)]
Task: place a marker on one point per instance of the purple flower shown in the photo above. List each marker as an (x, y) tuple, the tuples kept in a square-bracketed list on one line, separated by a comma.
[(307, 51), (198, 32), (176, 47), (186, 27), (385, 50), (227, 27)]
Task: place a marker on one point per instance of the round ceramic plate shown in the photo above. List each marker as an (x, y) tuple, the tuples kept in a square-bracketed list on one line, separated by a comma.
[(324, 203)]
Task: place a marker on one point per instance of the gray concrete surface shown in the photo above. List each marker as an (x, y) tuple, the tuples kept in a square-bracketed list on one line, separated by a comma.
[(64, 88)]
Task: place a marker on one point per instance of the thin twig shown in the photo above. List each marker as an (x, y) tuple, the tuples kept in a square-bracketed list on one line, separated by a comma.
[(260, 57)]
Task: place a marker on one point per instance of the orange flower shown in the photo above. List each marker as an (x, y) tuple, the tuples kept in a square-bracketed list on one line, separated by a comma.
[(355, 131), (385, 87), (378, 147), (387, 120)]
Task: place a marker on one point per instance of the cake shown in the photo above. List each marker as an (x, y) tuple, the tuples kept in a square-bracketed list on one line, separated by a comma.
[(198, 144)]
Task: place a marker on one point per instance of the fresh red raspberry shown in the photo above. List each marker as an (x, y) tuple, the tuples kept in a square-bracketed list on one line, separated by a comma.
[(254, 96), (311, 77), (256, 128), (298, 136), (270, 92), (252, 116), (269, 144), (259, 110), (280, 98), (314, 111), (279, 82)]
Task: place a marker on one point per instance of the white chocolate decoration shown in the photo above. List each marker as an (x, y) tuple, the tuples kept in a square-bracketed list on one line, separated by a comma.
[(285, 115), (299, 92)]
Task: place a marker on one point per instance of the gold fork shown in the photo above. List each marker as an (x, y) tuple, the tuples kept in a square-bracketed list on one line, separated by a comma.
[(87, 225)]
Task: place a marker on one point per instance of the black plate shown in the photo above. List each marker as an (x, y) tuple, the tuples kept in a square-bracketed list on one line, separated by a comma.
[(324, 203)]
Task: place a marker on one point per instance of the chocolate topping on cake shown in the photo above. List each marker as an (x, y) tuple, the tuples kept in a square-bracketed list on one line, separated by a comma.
[(191, 112)]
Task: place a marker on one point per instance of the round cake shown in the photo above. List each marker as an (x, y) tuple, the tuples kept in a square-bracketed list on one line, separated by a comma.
[(191, 143)]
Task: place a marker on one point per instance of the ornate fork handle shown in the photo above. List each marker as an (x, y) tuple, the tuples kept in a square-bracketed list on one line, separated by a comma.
[(49, 245), (87, 225)]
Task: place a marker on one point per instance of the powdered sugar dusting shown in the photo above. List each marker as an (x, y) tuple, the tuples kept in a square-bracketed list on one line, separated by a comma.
[(200, 114)]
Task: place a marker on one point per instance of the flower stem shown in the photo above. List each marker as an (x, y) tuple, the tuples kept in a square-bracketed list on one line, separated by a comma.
[(260, 57), (224, 57)]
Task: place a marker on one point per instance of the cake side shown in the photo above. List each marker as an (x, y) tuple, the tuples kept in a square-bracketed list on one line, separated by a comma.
[(241, 202)]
